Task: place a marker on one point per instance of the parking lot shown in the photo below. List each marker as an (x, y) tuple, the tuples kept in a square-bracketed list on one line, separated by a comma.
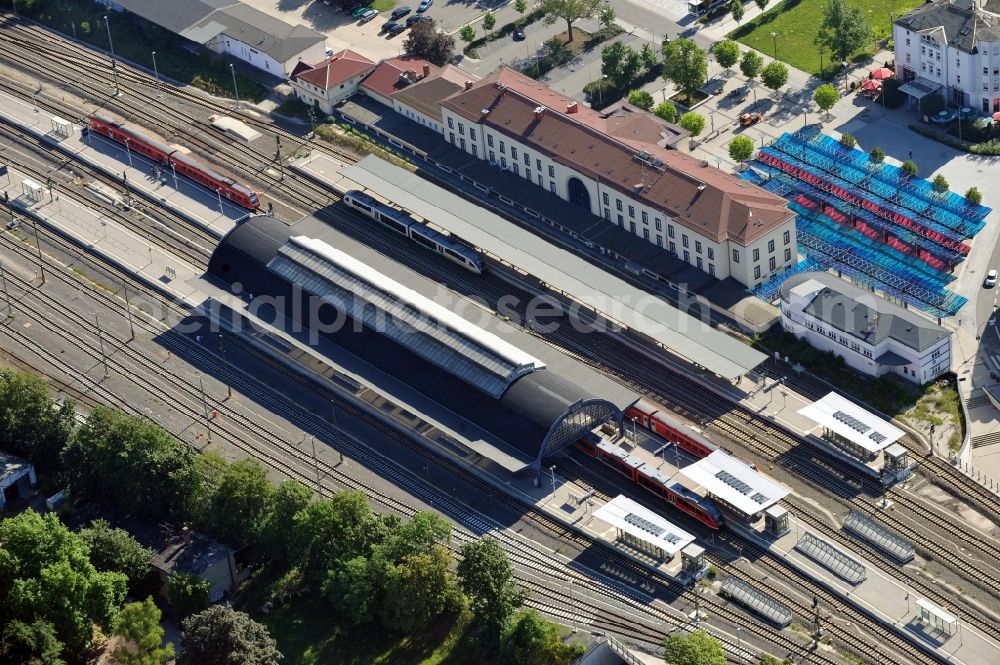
[(344, 31)]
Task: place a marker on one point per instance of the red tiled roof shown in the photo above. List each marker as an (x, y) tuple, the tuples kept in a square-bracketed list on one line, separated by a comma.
[(385, 78), (336, 69), (715, 204), (426, 94)]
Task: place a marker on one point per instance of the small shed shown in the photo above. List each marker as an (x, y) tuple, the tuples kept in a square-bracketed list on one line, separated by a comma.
[(17, 476), (192, 553)]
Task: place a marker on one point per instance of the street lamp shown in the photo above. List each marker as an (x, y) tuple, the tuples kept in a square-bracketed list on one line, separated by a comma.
[(156, 73), (114, 65), (235, 89), (774, 39), (822, 51), (844, 65)]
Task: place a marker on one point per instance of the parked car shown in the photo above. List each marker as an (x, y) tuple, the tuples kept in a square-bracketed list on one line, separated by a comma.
[(518, 34), (399, 12), (367, 15), (748, 119), (387, 25), (991, 279), (359, 10), (396, 29), (424, 5), (416, 18)]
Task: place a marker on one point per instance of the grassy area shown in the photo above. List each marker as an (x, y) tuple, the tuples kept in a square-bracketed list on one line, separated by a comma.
[(797, 23), (939, 406), (294, 107), (383, 5), (347, 137), (136, 40)]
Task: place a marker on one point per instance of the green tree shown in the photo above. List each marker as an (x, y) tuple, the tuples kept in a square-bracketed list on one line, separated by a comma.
[(418, 536), (685, 64), (612, 60), (666, 111), (46, 574), (693, 122), (775, 75), (751, 63), (115, 550), (741, 148), (768, 659), (139, 624), (848, 140), (425, 41), (290, 497), (353, 590), (761, 3), (240, 506), (134, 464), (844, 29), (877, 155), (32, 425), (910, 167), (727, 53), (520, 6), (418, 589), (489, 22), (222, 636), (606, 16), (487, 578), (333, 530), (532, 640), (467, 33), (631, 66), (32, 643), (940, 182), (642, 99), (973, 196), (647, 56), (737, 10), (826, 96), (694, 648), (569, 11), (187, 594)]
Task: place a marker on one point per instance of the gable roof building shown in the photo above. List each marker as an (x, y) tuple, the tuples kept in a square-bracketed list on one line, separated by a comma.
[(618, 167), (332, 80)]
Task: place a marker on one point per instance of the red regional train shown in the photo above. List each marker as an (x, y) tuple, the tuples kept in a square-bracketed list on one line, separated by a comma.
[(649, 478), (182, 163)]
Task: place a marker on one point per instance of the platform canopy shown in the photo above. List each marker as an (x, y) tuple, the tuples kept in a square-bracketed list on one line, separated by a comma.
[(644, 525), (561, 270), (845, 418), (734, 482)]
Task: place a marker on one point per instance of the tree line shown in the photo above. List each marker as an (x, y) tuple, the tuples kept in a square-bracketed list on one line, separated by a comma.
[(373, 569)]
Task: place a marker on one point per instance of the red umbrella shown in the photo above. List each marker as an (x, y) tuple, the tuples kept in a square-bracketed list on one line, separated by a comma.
[(882, 73), (996, 116), (869, 84)]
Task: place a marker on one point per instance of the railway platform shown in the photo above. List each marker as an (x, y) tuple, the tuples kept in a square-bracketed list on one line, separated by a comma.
[(876, 593), (101, 235), (134, 172)]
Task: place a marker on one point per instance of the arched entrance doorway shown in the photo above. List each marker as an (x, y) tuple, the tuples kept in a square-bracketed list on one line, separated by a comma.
[(579, 195)]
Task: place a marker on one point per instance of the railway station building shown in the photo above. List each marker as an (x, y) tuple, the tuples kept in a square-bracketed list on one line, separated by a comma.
[(507, 403), (331, 81)]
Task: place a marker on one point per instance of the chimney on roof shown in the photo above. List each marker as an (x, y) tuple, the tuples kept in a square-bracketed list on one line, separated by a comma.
[(539, 112), (500, 86), (427, 70), (186, 536), (572, 107), (468, 84)]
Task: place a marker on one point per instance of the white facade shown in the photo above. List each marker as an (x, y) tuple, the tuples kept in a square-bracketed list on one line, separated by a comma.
[(968, 79), (417, 117), (226, 44), (915, 365), (750, 266), (314, 95)]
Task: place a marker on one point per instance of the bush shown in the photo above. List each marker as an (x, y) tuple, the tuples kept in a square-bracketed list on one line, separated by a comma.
[(940, 182), (973, 196), (642, 99), (877, 155), (666, 110), (187, 594), (909, 167), (848, 141), (693, 122)]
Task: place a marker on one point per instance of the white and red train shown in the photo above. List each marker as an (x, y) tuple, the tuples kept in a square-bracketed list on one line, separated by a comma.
[(184, 164), (654, 417)]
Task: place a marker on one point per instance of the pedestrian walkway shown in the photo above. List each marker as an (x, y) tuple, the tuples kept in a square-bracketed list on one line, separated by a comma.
[(135, 173), (101, 235)]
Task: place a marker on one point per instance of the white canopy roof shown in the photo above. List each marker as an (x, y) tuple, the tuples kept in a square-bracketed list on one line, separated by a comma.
[(844, 417), (734, 482), (642, 523)]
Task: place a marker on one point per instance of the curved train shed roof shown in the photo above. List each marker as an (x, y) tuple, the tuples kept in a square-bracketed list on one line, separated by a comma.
[(469, 371)]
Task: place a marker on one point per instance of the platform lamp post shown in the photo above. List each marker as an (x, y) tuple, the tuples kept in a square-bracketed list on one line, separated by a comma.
[(225, 365), (774, 40), (236, 90), (156, 73), (552, 471), (844, 65), (128, 151), (3, 282), (114, 65), (739, 644), (38, 246)]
